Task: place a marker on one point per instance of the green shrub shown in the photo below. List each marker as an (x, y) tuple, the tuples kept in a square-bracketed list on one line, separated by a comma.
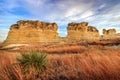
[(32, 62)]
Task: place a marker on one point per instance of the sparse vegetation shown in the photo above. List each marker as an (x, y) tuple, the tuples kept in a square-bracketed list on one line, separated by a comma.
[(33, 62), (93, 65), (76, 61)]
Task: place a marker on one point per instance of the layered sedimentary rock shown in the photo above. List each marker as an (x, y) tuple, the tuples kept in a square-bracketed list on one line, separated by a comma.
[(28, 32), (81, 31), (117, 35), (34, 32), (110, 33)]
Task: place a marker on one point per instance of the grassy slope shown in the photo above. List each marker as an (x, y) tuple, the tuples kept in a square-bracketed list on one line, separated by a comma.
[(96, 60), (93, 65)]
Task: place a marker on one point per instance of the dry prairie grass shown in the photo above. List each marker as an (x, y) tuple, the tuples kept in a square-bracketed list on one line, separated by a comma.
[(92, 60), (93, 65), (88, 66)]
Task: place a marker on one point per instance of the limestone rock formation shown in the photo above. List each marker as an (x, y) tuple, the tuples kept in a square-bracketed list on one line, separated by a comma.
[(81, 31), (26, 32), (34, 32), (117, 35), (110, 33)]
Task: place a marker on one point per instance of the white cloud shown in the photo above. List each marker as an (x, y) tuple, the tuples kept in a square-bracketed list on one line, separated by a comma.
[(115, 19), (90, 18), (87, 14), (102, 6), (70, 10), (98, 13), (64, 9), (3, 34)]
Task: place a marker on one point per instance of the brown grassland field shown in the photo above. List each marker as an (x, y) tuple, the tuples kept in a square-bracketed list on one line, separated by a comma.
[(91, 60)]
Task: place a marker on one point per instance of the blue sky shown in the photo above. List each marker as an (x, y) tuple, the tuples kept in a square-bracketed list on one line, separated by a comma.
[(99, 13)]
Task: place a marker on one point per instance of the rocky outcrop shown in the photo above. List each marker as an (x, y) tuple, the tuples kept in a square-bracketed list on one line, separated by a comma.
[(82, 31), (27, 32), (34, 32), (117, 35), (34, 25), (110, 33)]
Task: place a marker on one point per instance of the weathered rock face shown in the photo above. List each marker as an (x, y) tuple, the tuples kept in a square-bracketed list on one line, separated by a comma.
[(34, 32), (117, 35), (81, 31), (110, 33), (25, 32)]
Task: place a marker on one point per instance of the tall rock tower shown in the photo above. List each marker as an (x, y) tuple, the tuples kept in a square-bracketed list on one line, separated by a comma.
[(110, 33), (27, 32), (81, 31)]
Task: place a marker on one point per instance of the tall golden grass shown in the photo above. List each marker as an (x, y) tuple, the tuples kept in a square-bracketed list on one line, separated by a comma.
[(93, 65), (11, 70), (88, 66)]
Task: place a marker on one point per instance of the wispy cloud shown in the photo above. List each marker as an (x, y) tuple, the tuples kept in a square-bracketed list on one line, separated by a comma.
[(3, 34)]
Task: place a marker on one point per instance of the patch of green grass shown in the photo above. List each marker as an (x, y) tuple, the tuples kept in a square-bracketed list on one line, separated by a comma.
[(33, 62)]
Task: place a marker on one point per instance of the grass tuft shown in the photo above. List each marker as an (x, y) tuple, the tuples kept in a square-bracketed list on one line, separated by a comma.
[(33, 62)]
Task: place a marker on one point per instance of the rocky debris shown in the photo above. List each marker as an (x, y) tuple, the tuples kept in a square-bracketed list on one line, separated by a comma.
[(79, 31)]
